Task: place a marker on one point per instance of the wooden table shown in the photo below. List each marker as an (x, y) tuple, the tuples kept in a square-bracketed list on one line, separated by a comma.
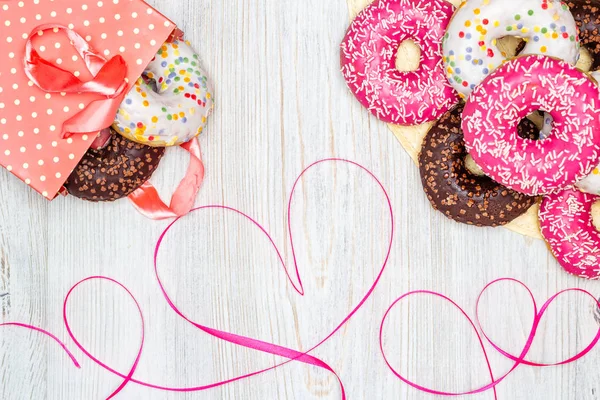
[(281, 104)]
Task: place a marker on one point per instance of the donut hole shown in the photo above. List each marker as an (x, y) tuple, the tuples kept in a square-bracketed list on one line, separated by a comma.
[(596, 214), (510, 46), (531, 127), (150, 82), (472, 166), (408, 56)]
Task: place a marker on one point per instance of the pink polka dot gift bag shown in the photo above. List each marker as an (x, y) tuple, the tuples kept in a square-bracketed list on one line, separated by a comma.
[(66, 67)]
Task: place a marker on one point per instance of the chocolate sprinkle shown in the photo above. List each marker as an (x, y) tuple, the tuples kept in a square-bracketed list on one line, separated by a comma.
[(587, 17), (457, 192), (115, 171)]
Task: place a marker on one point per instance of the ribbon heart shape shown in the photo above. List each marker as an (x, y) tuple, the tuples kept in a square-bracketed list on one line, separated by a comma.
[(292, 274)]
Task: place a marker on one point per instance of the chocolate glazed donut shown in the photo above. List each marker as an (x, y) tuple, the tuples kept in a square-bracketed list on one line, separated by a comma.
[(587, 17), (457, 192), (114, 171)]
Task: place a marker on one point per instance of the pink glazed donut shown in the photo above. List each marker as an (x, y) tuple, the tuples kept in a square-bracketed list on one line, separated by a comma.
[(368, 56), (509, 94), (566, 223)]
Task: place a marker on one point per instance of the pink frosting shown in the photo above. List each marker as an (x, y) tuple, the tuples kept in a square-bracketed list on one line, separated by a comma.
[(566, 222), (368, 57), (509, 94)]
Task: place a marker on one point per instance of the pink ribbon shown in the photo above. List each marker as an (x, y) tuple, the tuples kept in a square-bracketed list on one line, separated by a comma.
[(147, 201), (109, 81), (291, 354), (518, 360), (45, 333)]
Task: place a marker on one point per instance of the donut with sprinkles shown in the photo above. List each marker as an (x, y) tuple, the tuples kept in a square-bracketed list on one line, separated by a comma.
[(587, 17), (113, 171), (519, 87), (567, 226), (368, 55), (469, 45), (457, 192), (170, 104)]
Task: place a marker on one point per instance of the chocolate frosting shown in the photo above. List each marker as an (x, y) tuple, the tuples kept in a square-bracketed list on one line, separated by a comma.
[(114, 171), (587, 17), (457, 192)]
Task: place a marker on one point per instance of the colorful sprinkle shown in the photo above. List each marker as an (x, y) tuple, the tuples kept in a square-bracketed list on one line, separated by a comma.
[(470, 37), (166, 125)]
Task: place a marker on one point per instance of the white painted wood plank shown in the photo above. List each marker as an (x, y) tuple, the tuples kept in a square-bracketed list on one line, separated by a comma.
[(281, 104)]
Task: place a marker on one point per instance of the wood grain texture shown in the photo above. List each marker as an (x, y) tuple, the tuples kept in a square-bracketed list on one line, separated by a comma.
[(281, 103)]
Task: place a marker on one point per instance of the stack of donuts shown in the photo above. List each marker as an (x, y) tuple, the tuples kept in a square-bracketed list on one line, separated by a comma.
[(484, 162), (167, 106)]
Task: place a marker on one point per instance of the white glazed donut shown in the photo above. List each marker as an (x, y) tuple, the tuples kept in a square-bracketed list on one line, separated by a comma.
[(469, 46), (177, 111)]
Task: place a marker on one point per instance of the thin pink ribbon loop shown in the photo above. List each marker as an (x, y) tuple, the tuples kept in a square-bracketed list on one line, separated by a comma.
[(126, 378), (109, 81), (517, 360), (148, 202), (535, 324)]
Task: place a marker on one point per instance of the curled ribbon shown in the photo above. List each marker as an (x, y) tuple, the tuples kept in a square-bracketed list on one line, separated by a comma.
[(147, 201), (109, 81), (518, 360)]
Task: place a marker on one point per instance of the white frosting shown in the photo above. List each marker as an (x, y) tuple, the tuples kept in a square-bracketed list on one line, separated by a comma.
[(469, 47), (177, 111)]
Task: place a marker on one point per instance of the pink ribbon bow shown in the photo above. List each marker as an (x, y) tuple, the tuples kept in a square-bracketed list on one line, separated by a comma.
[(109, 81)]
